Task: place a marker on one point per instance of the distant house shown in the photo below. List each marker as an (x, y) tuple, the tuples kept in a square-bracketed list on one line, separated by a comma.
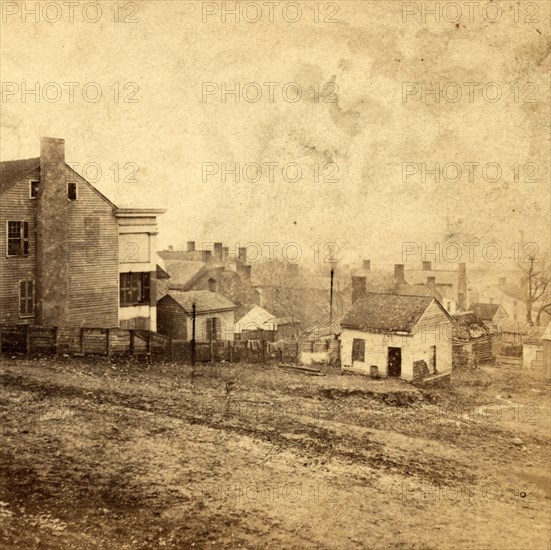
[(211, 269), (532, 349), (510, 297), (451, 283), (397, 336), (68, 255), (260, 324), (494, 315), (214, 315)]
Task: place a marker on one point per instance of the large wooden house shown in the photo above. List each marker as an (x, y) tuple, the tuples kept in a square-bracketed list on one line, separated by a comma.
[(69, 256)]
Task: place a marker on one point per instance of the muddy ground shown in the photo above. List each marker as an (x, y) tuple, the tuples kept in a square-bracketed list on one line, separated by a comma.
[(105, 455)]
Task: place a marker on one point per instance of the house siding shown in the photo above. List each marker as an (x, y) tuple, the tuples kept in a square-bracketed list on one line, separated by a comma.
[(15, 205), (376, 352), (172, 319)]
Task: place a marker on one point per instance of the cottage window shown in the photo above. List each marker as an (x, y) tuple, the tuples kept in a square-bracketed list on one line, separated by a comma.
[(18, 238), (358, 350), (134, 288), (72, 191), (26, 298), (33, 189), (214, 328)]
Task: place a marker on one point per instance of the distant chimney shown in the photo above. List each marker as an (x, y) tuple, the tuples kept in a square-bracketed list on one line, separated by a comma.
[(225, 253), (502, 281), (399, 277), (170, 247), (244, 271), (431, 282), (217, 254), (207, 255), (427, 266), (52, 235), (359, 285), (212, 284), (242, 254), (191, 246), (462, 287), (367, 265)]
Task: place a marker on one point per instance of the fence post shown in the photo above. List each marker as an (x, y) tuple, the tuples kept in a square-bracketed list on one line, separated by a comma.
[(56, 340), (131, 341), (231, 352), (108, 339), (82, 340), (264, 345), (148, 342)]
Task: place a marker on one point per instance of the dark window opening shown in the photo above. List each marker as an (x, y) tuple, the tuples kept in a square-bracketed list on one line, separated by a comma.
[(134, 289), (18, 238), (214, 328), (26, 298), (358, 350), (33, 193), (72, 191)]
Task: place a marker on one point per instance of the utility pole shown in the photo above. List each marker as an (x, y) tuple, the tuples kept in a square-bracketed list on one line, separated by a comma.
[(193, 309)]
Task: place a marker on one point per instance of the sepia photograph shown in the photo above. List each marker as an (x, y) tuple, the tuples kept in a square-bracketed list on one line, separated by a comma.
[(275, 275)]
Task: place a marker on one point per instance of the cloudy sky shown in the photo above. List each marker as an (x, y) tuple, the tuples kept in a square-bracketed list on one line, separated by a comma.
[(352, 133)]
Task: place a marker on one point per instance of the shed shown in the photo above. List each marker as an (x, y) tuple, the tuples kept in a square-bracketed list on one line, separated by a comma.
[(399, 336), (214, 315)]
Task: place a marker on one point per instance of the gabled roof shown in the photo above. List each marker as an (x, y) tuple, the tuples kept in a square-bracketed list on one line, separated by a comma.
[(12, 171), (485, 311), (182, 272), (204, 301), (387, 312), (323, 328), (256, 318)]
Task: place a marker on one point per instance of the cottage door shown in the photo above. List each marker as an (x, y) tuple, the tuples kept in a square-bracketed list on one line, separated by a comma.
[(395, 362)]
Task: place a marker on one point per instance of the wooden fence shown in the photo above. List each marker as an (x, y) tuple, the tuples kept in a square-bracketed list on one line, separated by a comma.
[(82, 341), (113, 342), (245, 351)]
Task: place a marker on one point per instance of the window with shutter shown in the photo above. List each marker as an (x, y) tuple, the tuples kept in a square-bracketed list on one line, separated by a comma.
[(18, 238), (358, 350)]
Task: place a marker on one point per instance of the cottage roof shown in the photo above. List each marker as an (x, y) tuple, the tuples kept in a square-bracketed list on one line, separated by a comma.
[(323, 328), (386, 312), (204, 301), (485, 311), (12, 171), (416, 290)]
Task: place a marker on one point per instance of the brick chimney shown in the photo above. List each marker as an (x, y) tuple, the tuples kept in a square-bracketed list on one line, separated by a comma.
[(225, 253), (242, 254), (170, 248), (52, 235), (399, 277), (191, 246), (431, 282), (217, 254), (359, 285), (206, 255), (462, 287), (244, 271), (427, 266), (367, 265)]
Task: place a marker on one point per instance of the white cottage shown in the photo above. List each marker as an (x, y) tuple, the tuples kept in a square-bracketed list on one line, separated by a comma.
[(389, 335)]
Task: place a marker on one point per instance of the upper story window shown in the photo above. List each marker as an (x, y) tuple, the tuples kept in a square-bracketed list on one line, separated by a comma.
[(18, 238), (33, 189), (134, 288), (72, 191)]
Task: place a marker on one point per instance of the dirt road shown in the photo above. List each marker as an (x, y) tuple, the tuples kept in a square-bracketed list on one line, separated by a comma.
[(103, 455)]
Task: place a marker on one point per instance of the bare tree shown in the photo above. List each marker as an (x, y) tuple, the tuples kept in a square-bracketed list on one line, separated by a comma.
[(537, 286)]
